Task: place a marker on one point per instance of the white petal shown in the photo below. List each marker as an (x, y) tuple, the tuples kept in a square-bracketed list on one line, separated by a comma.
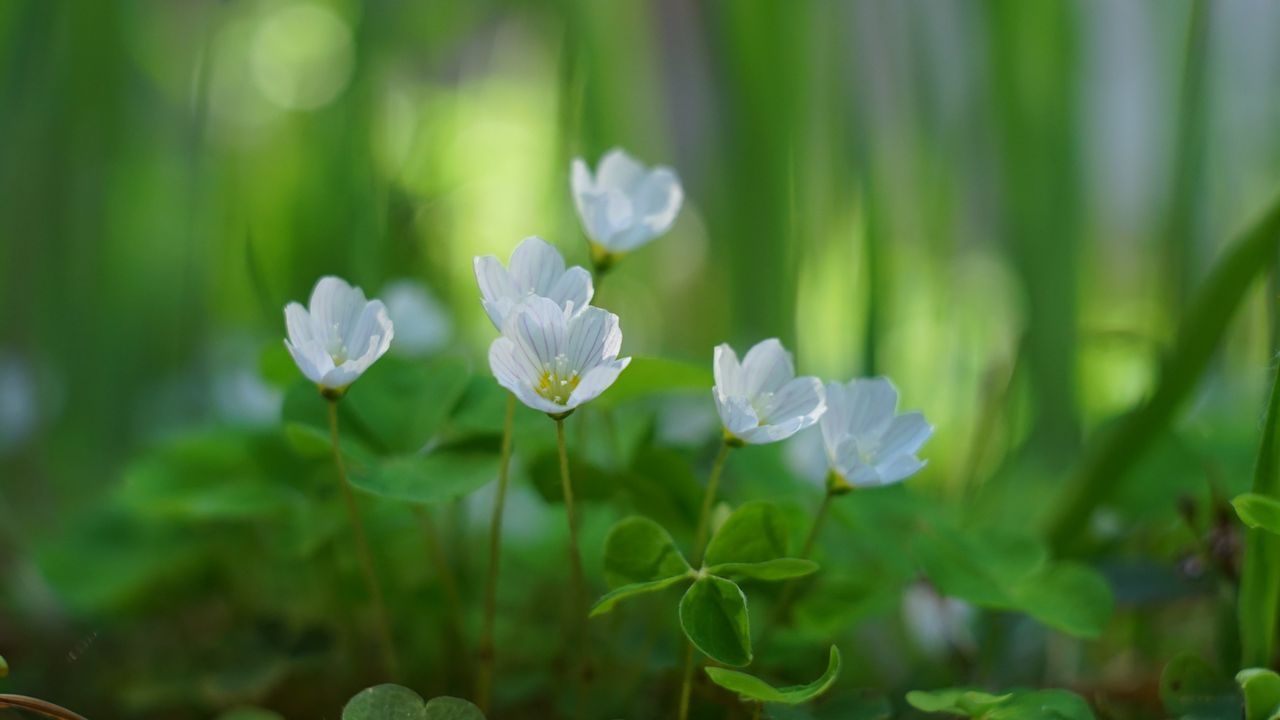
[(658, 199), (334, 303), (596, 381), (297, 323), (736, 413), (899, 468), (835, 421), (905, 434), (511, 367), (537, 326), (535, 266), (801, 398), (339, 377), (580, 180), (765, 434), (497, 291), (574, 286), (618, 170), (863, 476), (593, 210), (308, 359), (872, 403), (727, 371), (594, 337), (766, 367)]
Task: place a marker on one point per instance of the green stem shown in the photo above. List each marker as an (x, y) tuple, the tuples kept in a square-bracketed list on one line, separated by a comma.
[(575, 562), (789, 591), (708, 499), (484, 682), (362, 547), (40, 707), (453, 599), (755, 712), (699, 544)]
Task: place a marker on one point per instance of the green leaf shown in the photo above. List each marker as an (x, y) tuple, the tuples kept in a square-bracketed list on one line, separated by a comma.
[(1014, 705), (1189, 686), (1109, 458), (404, 402), (438, 476), (638, 550), (713, 615), (385, 702), (4, 667), (611, 599), (769, 570), (1259, 511), (1067, 596), (754, 533), (451, 708), (590, 481), (1261, 688), (750, 687), (646, 376)]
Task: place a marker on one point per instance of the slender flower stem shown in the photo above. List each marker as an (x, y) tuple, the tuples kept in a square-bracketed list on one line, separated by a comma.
[(362, 547), (575, 561), (453, 623), (789, 592), (755, 712), (699, 543), (484, 682), (40, 707)]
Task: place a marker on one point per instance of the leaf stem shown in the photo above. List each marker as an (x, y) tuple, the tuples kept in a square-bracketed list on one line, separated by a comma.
[(789, 591), (40, 707), (575, 562), (453, 622), (484, 682), (362, 547), (699, 544)]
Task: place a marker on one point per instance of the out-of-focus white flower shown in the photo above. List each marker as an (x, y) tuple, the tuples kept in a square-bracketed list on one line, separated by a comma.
[(760, 400), (421, 322), (936, 623), (624, 205), (338, 336), (536, 269), (867, 442), (18, 408), (554, 361)]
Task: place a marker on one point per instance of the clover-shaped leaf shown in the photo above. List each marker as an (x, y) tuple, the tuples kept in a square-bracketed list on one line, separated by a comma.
[(1261, 688), (751, 688), (713, 615), (395, 702), (639, 550), (1190, 686), (611, 599), (754, 533)]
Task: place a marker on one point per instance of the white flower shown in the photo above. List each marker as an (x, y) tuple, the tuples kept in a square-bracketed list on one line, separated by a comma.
[(936, 623), (338, 336), (761, 400), (554, 361), (422, 324), (625, 205), (536, 268), (867, 443)]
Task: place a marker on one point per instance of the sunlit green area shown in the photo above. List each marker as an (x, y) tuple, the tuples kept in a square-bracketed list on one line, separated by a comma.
[(1053, 225)]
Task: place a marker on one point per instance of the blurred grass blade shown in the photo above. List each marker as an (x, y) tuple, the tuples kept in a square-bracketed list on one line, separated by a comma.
[(1111, 455), (1259, 581)]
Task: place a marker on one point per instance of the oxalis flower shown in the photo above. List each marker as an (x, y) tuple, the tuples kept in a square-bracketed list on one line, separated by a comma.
[(338, 336), (867, 442), (761, 400), (555, 360), (624, 205), (536, 268)]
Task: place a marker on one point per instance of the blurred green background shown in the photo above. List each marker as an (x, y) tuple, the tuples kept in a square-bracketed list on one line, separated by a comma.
[(1005, 206)]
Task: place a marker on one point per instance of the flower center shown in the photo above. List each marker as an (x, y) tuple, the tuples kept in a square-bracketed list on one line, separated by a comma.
[(558, 381), (335, 346)]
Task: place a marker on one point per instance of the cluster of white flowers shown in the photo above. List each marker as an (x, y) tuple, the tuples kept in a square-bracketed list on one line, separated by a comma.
[(556, 351), (867, 442)]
